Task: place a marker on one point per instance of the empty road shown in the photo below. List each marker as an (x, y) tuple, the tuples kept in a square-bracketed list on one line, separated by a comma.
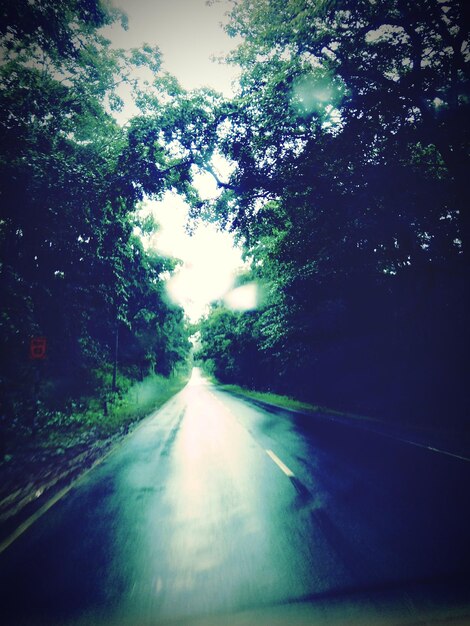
[(217, 511)]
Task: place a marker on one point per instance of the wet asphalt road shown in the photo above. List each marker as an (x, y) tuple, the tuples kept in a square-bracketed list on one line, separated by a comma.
[(215, 506)]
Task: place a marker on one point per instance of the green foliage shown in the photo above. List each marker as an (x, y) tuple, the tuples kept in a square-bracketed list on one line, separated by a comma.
[(229, 346), (349, 151), (92, 419), (71, 269), (334, 100), (275, 399)]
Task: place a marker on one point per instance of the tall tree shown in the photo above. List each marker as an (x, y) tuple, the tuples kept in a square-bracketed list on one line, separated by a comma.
[(349, 152), (66, 197)]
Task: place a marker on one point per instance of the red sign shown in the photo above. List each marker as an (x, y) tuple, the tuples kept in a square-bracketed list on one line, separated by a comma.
[(37, 348)]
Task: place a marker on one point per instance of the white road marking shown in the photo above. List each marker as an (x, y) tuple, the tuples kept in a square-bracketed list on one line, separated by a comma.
[(422, 445), (30, 521), (280, 464), (58, 496), (377, 432), (455, 456)]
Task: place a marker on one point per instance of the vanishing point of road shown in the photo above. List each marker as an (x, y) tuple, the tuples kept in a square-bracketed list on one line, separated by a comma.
[(219, 511)]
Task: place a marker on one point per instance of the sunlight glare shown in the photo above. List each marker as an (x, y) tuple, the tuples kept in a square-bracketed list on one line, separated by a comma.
[(210, 259), (311, 93), (244, 298), (206, 185)]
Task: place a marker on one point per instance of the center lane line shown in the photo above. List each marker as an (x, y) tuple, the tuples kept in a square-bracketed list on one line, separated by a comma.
[(288, 472), (280, 464)]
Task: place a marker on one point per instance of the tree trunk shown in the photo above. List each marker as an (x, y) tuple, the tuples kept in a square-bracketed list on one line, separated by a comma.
[(115, 364)]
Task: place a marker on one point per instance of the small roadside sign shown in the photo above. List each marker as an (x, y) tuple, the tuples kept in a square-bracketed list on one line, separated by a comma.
[(37, 348)]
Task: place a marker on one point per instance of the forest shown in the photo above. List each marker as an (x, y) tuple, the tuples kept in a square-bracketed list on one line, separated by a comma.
[(74, 270), (348, 140), (350, 137)]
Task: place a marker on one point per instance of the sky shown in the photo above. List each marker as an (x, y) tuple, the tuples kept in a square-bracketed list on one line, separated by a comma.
[(189, 34)]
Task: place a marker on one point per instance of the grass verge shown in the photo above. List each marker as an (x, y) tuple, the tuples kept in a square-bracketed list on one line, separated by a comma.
[(113, 415), (287, 402)]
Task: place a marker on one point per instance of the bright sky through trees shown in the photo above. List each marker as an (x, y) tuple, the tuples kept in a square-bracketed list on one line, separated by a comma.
[(189, 34)]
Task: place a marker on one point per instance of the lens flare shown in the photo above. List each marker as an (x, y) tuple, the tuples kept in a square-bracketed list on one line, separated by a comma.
[(313, 93), (244, 298)]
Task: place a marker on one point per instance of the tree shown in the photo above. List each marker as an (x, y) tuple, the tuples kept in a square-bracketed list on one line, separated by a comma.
[(67, 200), (349, 152), (229, 346)]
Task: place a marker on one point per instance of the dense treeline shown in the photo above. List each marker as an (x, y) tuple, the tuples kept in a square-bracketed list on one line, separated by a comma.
[(349, 138), (73, 267)]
